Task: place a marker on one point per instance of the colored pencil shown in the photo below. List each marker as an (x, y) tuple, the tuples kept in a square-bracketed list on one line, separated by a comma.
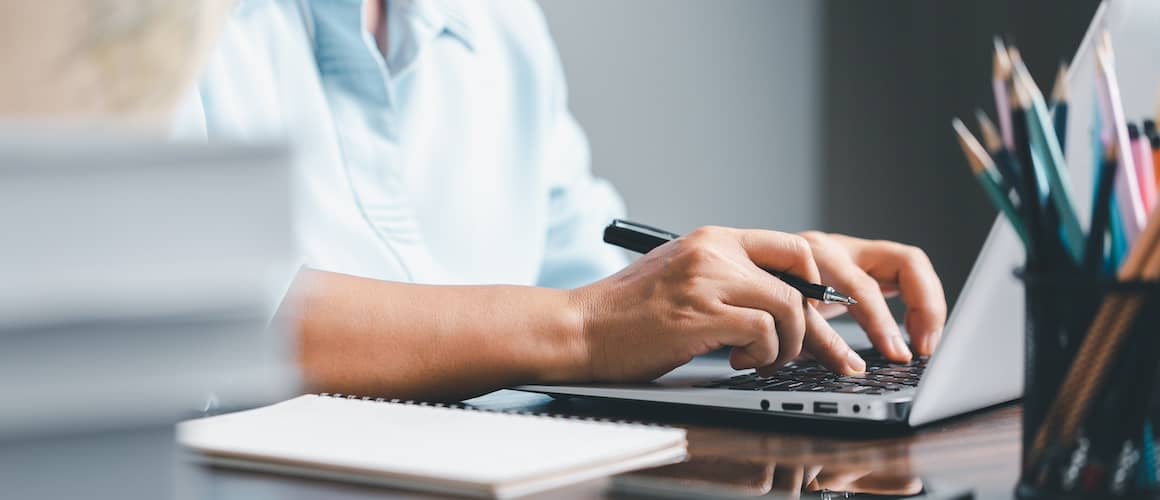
[(984, 170), (1101, 211), (1000, 83), (1154, 141), (1004, 162), (1142, 158), (1059, 107), (1128, 195), (1117, 246), (1032, 190), (1048, 155)]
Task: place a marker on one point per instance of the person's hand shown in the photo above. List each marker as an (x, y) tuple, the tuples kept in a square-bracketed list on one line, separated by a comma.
[(871, 272), (702, 292)]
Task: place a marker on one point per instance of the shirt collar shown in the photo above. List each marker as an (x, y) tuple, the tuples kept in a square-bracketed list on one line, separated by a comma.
[(450, 16)]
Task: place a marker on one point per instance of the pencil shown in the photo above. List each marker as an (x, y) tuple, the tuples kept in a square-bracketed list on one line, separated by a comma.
[(1154, 141), (984, 170), (1115, 240), (1002, 157), (1059, 107), (1032, 190), (1146, 478), (1000, 82), (1131, 206), (1142, 158), (1101, 212), (1046, 150)]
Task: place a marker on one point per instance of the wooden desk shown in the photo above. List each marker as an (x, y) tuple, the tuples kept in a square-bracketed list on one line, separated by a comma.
[(979, 451)]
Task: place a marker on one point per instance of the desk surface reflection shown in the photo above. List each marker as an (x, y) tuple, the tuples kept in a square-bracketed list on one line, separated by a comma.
[(737, 455)]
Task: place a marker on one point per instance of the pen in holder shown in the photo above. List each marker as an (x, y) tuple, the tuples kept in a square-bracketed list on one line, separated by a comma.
[(1091, 360)]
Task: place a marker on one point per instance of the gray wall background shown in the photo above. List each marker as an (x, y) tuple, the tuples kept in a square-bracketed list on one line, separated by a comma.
[(796, 114), (701, 112)]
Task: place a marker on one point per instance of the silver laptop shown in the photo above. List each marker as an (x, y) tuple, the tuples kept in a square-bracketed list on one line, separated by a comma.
[(979, 363), (980, 360)]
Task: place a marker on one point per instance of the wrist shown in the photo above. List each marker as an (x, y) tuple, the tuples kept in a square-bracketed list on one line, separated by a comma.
[(569, 361)]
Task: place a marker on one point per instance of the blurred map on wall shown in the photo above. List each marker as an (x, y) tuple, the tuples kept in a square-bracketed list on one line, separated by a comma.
[(95, 58)]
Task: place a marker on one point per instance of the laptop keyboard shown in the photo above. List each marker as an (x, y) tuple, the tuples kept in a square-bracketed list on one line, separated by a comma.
[(881, 377)]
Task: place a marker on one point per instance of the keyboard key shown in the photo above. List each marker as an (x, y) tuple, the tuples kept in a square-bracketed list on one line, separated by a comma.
[(880, 377)]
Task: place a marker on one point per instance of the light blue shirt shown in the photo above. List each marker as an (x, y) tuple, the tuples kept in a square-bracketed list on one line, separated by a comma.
[(451, 160)]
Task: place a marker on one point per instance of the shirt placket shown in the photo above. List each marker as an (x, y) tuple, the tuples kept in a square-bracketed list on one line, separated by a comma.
[(359, 89)]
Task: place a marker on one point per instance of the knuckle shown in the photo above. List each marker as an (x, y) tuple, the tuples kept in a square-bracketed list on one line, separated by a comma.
[(762, 324), (699, 257), (813, 237), (788, 297), (705, 232), (690, 254), (799, 246), (802, 252), (913, 255)]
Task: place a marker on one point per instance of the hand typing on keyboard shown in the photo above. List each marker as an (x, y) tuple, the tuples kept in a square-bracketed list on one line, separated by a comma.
[(710, 289), (881, 377)]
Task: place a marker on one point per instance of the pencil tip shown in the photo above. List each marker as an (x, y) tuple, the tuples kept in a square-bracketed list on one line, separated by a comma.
[(1020, 97), (1014, 55), (991, 138), (959, 126), (1104, 54), (1000, 63), (1059, 92), (977, 157)]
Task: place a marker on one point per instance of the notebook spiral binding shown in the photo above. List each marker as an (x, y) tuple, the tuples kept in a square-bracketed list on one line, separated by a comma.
[(461, 406)]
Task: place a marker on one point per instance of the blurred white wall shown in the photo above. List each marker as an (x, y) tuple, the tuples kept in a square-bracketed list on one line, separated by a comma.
[(701, 112)]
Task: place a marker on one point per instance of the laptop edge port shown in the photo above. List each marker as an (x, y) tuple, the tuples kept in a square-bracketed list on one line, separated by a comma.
[(826, 408)]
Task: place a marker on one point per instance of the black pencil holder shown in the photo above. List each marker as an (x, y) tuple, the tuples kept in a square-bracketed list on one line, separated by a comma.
[(1060, 308)]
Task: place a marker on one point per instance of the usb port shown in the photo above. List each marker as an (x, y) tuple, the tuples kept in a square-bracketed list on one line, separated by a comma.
[(792, 406), (831, 408)]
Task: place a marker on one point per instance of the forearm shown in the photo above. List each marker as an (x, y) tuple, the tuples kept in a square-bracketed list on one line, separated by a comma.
[(371, 337)]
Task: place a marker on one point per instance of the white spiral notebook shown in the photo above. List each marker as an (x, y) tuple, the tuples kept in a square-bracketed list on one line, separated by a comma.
[(427, 447)]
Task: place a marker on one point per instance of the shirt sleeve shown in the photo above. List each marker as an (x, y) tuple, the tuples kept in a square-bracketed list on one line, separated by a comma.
[(580, 205)]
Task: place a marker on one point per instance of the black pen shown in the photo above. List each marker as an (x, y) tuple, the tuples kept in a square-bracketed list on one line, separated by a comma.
[(642, 239)]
